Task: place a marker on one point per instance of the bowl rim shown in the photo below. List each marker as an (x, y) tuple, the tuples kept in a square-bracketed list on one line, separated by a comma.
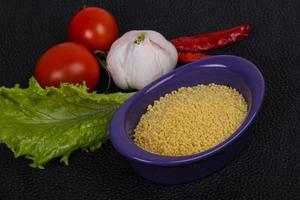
[(126, 147)]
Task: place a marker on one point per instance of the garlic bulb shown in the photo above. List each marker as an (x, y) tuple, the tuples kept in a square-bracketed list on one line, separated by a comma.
[(140, 57)]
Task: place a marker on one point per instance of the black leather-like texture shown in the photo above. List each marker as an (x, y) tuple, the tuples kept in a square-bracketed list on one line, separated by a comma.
[(268, 169)]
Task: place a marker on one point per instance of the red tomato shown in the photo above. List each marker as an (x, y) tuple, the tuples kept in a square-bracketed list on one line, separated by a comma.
[(67, 62), (94, 28)]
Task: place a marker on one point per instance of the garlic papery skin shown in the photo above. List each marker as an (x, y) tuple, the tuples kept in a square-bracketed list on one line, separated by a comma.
[(140, 57)]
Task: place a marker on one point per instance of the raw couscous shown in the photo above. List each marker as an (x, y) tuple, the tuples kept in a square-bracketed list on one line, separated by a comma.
[(190, 120)]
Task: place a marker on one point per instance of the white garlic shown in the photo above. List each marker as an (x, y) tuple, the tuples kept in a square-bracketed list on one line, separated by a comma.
[(140, 57)]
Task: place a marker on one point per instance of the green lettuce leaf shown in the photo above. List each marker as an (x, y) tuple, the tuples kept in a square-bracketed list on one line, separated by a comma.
[(42, 124)]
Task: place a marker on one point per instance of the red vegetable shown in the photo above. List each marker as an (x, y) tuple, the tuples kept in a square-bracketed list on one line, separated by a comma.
[(187, 57), (204, 42), (94, 28), (67, 62)]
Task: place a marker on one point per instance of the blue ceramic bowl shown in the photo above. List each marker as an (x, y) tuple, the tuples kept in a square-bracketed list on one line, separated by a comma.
[(233, 71)]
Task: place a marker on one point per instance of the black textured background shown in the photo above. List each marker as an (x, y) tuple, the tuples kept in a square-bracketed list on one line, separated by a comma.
[(268, 169)]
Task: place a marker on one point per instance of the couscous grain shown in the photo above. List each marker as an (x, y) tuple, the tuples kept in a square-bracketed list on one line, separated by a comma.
[(190, 120)]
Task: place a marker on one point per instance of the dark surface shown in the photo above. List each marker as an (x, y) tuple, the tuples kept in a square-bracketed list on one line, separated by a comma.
[(268, 169)]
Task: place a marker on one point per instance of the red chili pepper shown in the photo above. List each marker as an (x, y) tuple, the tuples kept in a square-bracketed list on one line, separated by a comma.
[(187, 57), (204, 42)]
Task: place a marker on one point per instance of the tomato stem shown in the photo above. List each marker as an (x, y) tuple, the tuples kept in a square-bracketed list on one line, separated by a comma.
[(101, 57), (81, 5)]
